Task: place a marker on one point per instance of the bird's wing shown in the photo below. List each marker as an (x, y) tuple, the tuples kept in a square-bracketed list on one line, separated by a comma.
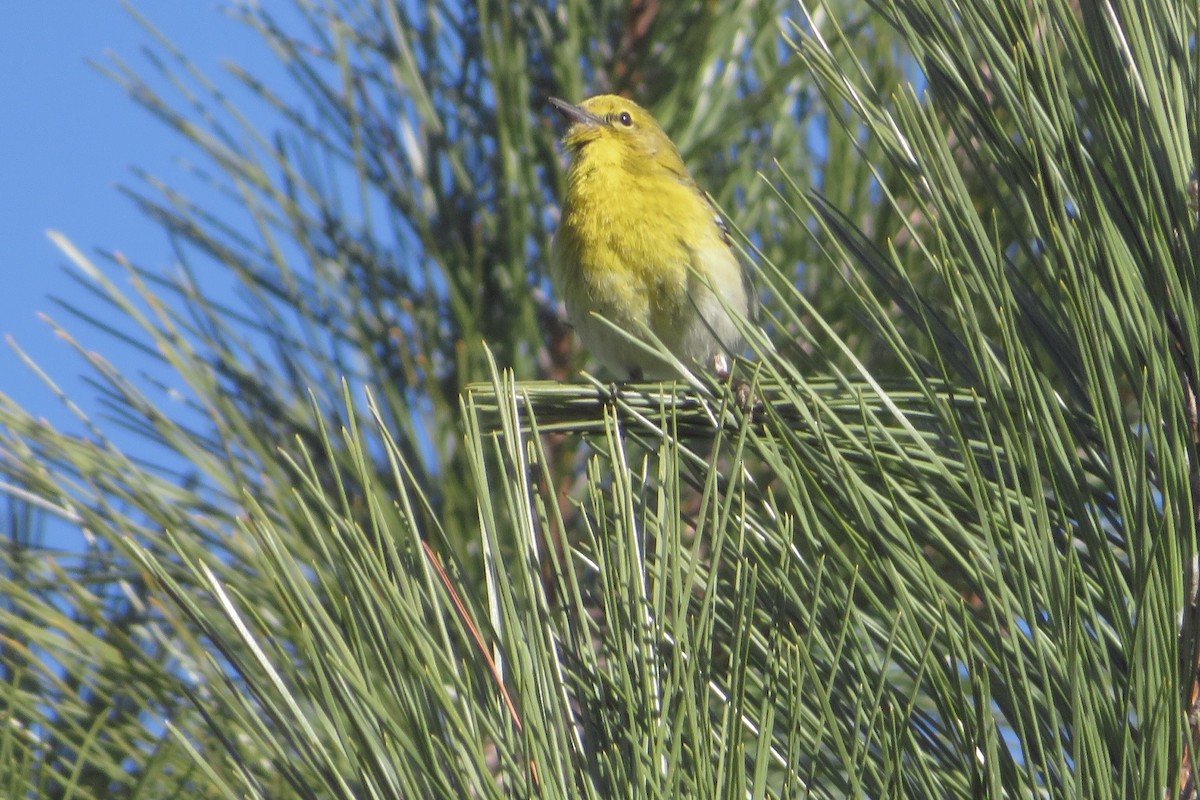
[(747, 277)]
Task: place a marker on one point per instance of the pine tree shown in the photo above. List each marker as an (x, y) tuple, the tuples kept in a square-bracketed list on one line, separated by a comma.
[(391, 543)]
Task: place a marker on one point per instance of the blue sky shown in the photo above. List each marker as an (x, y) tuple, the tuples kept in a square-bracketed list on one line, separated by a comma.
[(68, 136)]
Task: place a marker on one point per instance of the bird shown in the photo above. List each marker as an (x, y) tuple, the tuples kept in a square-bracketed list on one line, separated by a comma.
[(640, 244)]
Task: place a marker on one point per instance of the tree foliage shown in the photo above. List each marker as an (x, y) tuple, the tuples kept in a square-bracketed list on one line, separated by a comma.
[(947, 550)]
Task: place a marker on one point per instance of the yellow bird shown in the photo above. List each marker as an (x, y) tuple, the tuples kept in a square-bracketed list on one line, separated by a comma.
[(639, 244)]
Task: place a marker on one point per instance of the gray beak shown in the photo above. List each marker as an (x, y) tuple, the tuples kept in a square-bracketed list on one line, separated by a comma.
[(575, 114)]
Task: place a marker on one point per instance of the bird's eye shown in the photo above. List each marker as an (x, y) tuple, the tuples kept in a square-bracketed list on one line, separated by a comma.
[(625, 119)]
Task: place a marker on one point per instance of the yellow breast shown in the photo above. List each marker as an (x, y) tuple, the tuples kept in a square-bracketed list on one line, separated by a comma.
[(625, 244)]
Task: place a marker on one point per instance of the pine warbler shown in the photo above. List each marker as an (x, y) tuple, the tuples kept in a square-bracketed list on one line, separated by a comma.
[(639, 244)]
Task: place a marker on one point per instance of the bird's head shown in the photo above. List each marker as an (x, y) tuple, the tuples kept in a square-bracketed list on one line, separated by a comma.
[(618, 130)]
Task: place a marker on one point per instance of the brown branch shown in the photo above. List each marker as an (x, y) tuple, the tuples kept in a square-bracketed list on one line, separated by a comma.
[(465, 616)]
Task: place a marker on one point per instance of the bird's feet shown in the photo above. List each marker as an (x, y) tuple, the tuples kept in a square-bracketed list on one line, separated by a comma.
[(742, 393)]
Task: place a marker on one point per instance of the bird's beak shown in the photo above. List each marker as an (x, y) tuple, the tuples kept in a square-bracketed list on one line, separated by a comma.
[(574, 114)]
